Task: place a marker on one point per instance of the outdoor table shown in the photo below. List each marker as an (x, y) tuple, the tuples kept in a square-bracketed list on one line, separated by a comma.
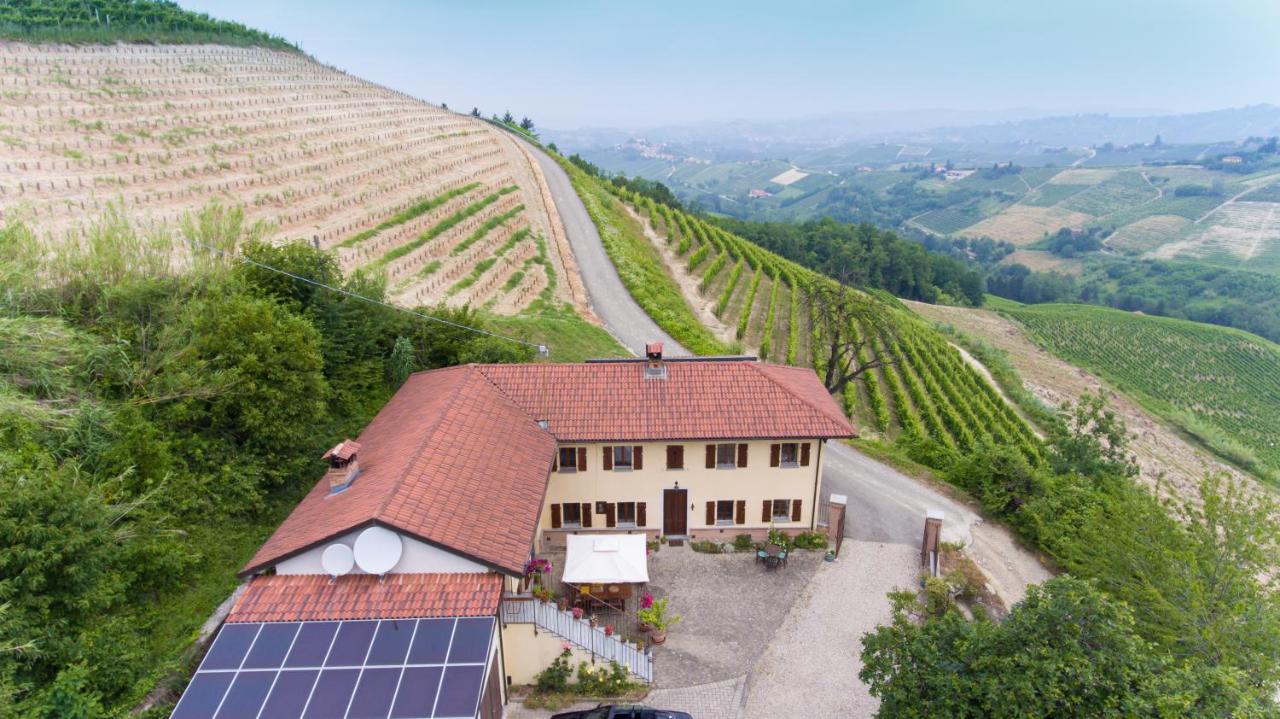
[(774, 555)]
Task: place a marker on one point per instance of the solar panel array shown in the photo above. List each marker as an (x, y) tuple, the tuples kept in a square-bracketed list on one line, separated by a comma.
[(384, 669)]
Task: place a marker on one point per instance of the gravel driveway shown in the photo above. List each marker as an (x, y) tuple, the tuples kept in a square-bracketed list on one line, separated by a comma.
[(811, 667)]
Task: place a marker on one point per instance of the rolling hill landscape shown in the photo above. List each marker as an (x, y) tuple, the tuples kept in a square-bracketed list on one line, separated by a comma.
[(221, 256)]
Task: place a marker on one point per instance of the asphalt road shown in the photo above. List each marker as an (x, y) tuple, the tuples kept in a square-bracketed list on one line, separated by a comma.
[(884, 504), (605, 291)]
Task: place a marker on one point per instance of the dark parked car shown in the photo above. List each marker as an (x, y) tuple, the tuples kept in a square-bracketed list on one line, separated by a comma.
[(623, 711)]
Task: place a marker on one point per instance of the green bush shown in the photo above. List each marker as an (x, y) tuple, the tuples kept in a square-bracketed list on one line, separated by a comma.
[(742, 542), (810, 540), (555, 678), (603, 681)]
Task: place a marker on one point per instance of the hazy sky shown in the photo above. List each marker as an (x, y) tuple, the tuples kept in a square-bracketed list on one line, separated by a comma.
[(640, 63)]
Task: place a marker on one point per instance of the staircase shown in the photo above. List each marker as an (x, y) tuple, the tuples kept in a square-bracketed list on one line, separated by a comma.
[(524, 609)]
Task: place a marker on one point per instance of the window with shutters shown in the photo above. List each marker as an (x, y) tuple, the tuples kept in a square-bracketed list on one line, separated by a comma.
[(726, 456), (622, 457), (782, 510), (568, 459), (724, 510), (789, 454), (626, 514), (571, 515), (675, 456)]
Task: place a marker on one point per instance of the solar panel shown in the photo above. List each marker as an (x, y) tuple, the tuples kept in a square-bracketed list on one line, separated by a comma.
[(366, 669)]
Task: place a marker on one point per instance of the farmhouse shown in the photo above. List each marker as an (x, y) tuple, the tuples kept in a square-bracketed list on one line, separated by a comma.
[(392, 585)]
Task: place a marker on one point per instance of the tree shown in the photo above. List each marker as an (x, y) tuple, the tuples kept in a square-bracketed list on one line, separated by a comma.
[(849, 352), (1201, 567), (269, 363), (526, 124), (1067, 650), (475, 112), (401, 362), (1091, 440), (507, 118)]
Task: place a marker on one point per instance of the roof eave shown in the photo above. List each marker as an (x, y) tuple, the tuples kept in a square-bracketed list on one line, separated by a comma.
[(266, 564)]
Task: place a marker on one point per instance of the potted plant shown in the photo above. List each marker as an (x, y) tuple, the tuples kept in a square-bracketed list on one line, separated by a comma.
[(656, 617), (577, 612), (608, 630), (646, 602)]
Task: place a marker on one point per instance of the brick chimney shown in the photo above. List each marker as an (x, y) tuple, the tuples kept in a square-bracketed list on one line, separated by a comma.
[(654, 368), (344, 466)]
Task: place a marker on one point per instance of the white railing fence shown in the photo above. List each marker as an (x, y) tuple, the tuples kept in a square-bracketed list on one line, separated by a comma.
[(549, 617)]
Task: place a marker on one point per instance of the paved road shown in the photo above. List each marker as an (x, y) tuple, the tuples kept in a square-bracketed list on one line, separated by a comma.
[(605, 291), (884, 504)]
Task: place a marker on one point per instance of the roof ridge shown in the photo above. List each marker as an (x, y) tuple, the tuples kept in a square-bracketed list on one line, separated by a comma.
[(759, 367), (498, 388), (431, 432)]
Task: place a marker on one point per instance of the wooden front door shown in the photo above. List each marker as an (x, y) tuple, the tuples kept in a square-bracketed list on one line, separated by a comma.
[(675, 512)]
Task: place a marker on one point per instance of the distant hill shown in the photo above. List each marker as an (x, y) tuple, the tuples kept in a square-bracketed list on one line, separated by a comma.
[(842, 134), (104, 21), (1096, 129)]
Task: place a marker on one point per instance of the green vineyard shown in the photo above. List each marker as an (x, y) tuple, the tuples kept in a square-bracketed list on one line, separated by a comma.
[(926, 391), (1219, 384)]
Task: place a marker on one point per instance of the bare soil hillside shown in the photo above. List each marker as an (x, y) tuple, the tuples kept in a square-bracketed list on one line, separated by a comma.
[(448, 206)]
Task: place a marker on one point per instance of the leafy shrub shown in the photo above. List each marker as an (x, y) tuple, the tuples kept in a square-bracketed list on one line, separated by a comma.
[(742, 542), (705, 546), (555, 678), (810, 540), (604, 681)]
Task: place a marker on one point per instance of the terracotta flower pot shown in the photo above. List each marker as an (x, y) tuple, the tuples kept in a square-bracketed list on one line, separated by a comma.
[(657, 636), (644, 627)]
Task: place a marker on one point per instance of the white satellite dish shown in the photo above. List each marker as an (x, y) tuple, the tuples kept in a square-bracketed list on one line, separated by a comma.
[(377, 550), (337, 560)]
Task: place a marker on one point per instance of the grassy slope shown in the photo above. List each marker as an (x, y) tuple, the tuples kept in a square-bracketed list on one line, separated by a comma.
[(641, 268), (1218, 384), (569, 337)]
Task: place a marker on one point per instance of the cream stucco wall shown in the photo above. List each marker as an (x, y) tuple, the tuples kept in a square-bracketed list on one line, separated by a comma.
[(417, 557), (526, 652), (752, 484)]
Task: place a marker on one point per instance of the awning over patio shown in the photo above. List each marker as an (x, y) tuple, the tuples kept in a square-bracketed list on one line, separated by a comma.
[(606, 558)]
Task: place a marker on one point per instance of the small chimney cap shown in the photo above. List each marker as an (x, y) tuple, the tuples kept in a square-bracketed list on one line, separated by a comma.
[(653, 350), (342, 451)]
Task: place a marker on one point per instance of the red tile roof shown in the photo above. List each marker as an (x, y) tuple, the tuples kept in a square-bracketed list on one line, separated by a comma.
[(449, 460), (316, 597), (603, 401), (457, 457)]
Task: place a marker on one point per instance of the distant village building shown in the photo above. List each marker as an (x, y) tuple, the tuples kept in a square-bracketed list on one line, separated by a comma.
[(1232, 160), (759, 194)]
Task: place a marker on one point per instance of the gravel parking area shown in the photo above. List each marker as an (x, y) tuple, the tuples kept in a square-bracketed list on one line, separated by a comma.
[(811, 666), (731, 606)]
